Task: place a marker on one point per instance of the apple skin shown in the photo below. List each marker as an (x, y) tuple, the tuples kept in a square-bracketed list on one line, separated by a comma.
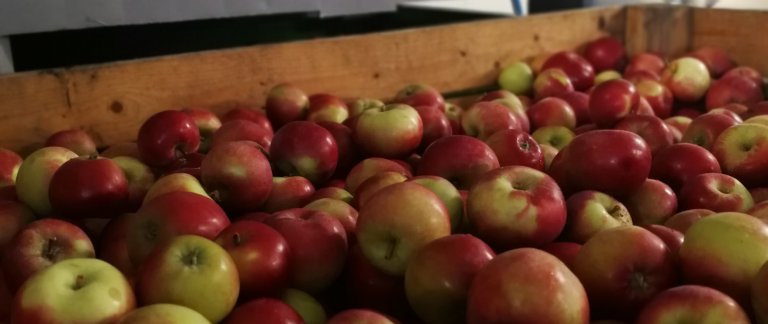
[(687, 78), (243, 130), (658, 96), (398, 221), (716, 59), (370, 167), (715, 191), (485, 118), (448, 194), (286, 103), (551, 83), (742, 151), (611, 101), (759, 210), (590, 212), (207, 123), (247, 113), (680, 123), (13, 217), (516, 206), (436, 125), (605, 53), (516, 78), (260, 254), (554, 136), (391, 131), (549, 152), (318, 247), (552, 111), (163, 314), (76, 140), (367, 287), (308, 308), (266, 310), (671, 237), (607, 75), (653, 203), (454, 113), (112, 245), (759, 294), (623, 268), (349, 155), (502, 291), (339, 209), (34, 177), (88, 187), (314, 157), (5, 301), (579, 70), (174, 182), (288, 192), (360, 316), (332, 193), (238, 175), (130, 149), (438, 277), (374, 184), (459, 159), (53, 295), (645, 62), (167, 136), (170, 215), (614, 162), (746, 71), (677, 163), (684, 219), (140, 178), (40, 244), (692, 304), (420, 95), (731, 262), (565, 251), (359, 105), (733, 89), (517, 108), (759, 194), (10, 162), (652, 129), (191, 271), (325, 107), (516, 147)]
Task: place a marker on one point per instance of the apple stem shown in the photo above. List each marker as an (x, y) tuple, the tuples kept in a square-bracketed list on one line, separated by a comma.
[(236, 239), (79, 282)]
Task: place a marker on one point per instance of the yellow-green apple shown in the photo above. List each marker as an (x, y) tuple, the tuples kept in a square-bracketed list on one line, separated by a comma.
[(286, 103), (170, 215), (715, 191), (623, 268), (611, 101), (10, 162), (759, 194), (554, 136), (579, 102), (590, 212), (605, 53), (671, 237), (40, 244), (653, 203), (121, 149), (438, 277), (684, 219), (551, 111), (207, 123), (371, 167), (645, 62), (265, 310), (501, 291), (733, 89), (578, 69), (359, 105), (374, 184), (333, 193), (174, 182), (435, 125), (677, 163), (367, 287), (78, 290), (420, 95), (398, 221), (34, 177), (614, 162), (549, 153), (606, 76), (716, 59), (13, 217), (657, 95), (237, 175), (288, 192), (191, 271), (746, 71), (485, 118), (314, 157), (261, 256), (516, 147), (163, 314), (140, 178), (692, 304), (349, 155), (257, 116), (759, 210), (516, 206), (550, 83), (687, 78), (112, 245), (310, 310), (516, 77), (394, 130), (759, 294), (360, 316), (328, 108), (318, 247), (460, 159), (742, 151), (565, 251), (448, 194), (339, 209), (87, 187), (166, 137), (454, 113), (729, 263), (77, 140), (759, 119), (242, 130)]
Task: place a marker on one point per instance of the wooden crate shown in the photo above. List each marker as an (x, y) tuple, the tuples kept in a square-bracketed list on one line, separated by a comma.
[(111, 101)]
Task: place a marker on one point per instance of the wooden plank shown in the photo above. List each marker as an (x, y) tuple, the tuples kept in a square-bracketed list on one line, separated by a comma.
[(663, 29), (737, 32), (111, 101)]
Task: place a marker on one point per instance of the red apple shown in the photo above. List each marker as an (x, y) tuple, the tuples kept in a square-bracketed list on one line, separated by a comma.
[(552, 111), (288, 192), (687, 78), (112, 245), (605, 53), (175, 182), (692, 304), (565, 251), (653, 203), (89, 187), (578, 69), (454, 113), (716, 59), (579, 102), (706, 128), (684, 219), (249, 114), (715, 191), (238, 175), (745, 71), (370, 167), (266, 310), (551, 82), (10, 162), (130, 149), (243, 130), (652, 129), (436, 125), (359, 316), (167, 136), (590, 212), (549, 152), (76, 140), (679, 123), (485, 118), (374, 184), (331, 192), (325, 107), (657, 95), (645, 62), (348, 152), (611, 101), (458, 158), (733, 89), (365, 286), (742, 151), (516, 147), (671, 237), (342, 211), (13, 217), (448, 194), (759, 194), (677, 163), (207, 123), (286, 103), (518, 110), (420, 95), (314, 157)]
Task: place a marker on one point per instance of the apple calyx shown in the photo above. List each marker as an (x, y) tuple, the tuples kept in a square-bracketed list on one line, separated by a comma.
[(638, 284), (192, 258), (236, 239)]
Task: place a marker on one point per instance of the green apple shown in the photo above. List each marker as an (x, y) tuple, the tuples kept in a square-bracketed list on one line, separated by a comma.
[(163, 314), (307, 306), (175, 182), (34, 176), (516, 78)]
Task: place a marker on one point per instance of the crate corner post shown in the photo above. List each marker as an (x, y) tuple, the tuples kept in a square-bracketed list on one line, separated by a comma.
[(662, 29)]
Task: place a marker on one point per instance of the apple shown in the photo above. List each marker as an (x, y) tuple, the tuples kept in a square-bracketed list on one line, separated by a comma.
[(130, 149), (729, 263), (328, 108), (348, 152), (648, 62), (704, 129), (13, 217), (359, 316), (579, 102), (579, 70), (166, 137), (112, 245), (392, 131), (288, 192), (590, 212), (671, 237), (552, 111), (759, 194), (614, 162), (170, 215), (758, 295), (318, 247), (622, 269), (172, 183), (746, 71), (606, 76), (460, 159), (76, 140), (549, 153), (503, 291), (684, 219), (34, 177), (436, 125), (191, 271), (550, 83), (454, 113), (339, 209), (692, 304), (485, 118), (247, 113), (640, 75), (759, 210), (238, 175), (687, 78), (89, 187), (314, 157), (716, 59), (370, 167), (676, 164), (653, 130), (374, 184), (658, 96), (420, 95), (286, 103), (759, 119), (438, 277), (10, 162), (5, 300), (243, 130), (688, 111), (167, 313), (516, 78), (359, 105), (679, 123), (516, 206), (266, 310), (605, 53), (207, 123), (61, 292), (367, 287), (733, 89), (139, 177), (653, 203), (448, 194), (715, 191), (398, 221), (516, 147), (517, 108), (308, 307), (611, 101), (742, 151), (564, 251), (333, 193)]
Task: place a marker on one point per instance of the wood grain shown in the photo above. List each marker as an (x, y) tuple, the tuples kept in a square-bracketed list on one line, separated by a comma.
[(662, 29), (737, 32)]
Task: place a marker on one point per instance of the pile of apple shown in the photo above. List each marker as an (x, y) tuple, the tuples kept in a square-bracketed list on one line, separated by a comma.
[(590, 187)]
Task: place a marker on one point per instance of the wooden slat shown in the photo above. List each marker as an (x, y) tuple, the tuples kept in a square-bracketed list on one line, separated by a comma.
[(111, 101), (662, 29), (740, 33)]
